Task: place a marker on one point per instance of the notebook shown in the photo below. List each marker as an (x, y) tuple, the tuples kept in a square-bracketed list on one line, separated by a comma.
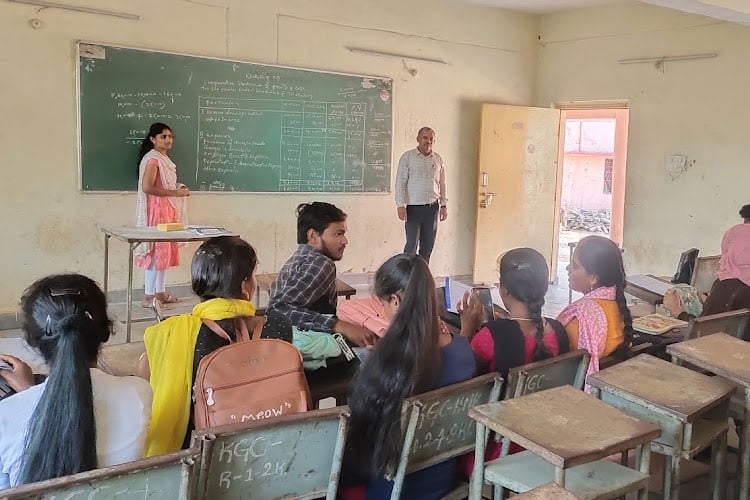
[(656, 324)]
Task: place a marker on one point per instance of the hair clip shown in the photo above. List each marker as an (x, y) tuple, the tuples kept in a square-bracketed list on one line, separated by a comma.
[(47, 323), (60, 292), (88, 315)]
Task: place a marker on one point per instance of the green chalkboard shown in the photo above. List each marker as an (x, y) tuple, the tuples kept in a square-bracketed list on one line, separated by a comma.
[(238, 126)]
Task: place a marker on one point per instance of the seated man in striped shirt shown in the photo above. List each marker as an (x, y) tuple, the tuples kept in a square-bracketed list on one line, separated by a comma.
[(305, 289), (420, 194)]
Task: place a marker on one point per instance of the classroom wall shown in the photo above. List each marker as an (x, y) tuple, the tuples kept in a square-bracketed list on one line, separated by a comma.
[(50, 226), (696, 108)]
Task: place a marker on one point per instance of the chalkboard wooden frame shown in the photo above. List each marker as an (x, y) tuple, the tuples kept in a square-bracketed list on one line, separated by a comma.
[(363, 165)]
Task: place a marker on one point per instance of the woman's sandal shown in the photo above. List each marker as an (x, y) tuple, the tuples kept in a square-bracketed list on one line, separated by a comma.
[(167, 298), (149, 302)]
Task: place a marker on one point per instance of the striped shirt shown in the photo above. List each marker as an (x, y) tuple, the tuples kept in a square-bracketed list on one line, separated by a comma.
[(306, 281), (420, 179)]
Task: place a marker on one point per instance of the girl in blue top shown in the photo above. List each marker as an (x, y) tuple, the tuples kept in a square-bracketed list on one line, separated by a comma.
[(413, 357)]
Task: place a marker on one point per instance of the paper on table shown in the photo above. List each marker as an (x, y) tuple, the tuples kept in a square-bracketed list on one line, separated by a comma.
[(649, 283)]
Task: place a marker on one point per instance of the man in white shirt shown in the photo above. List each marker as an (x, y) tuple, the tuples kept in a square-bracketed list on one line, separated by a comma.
[(420, 194)]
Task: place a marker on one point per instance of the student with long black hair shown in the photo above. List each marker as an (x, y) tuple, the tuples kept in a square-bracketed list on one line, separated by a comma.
[(524, 336), (413, 357), (600, 321), (79, 418)]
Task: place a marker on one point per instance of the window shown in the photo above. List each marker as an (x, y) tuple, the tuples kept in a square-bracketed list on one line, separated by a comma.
[(608, 169), (590, 136)]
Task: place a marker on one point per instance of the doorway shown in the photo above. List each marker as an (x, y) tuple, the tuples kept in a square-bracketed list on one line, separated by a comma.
[(591, 185)]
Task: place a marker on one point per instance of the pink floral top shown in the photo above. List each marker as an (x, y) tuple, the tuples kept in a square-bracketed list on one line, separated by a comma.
[(592, 323)]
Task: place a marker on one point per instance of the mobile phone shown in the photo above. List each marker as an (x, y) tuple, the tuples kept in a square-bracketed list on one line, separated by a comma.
[(5, 366), (485, 298)]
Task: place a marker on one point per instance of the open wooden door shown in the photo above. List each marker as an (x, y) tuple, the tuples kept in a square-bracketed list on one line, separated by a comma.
[(518, 184)]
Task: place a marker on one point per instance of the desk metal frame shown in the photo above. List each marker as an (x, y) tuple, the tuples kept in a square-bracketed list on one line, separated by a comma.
[(134, 236)]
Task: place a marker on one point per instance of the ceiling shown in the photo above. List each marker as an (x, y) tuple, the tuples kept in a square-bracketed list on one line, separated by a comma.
[(737, 11)]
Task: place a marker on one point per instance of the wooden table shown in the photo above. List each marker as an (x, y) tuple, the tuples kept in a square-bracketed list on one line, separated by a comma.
[(652, 298), (547, 492), (690, 408), (562, 429), (729, 358), (135, 235), (120, 359), (266, 280)]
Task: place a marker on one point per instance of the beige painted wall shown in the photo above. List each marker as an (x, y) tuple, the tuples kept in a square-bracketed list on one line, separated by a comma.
[(696, 108), (49, 226)]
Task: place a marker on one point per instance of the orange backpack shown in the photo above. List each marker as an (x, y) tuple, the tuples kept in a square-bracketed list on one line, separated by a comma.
[(251, 379)]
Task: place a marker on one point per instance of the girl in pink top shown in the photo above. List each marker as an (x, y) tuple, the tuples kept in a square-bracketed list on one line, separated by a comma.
[(160, 199)]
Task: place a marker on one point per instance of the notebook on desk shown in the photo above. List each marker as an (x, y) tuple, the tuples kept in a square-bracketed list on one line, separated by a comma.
[(649, 283)]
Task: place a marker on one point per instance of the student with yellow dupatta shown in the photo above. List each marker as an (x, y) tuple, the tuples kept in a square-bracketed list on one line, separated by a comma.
[(223, 276)]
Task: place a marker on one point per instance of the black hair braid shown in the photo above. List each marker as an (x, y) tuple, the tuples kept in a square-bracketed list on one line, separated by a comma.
[(624, 350), (535, 310)]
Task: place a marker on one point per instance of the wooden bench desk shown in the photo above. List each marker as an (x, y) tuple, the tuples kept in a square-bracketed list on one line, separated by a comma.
[(727, 357), (691, 410), (266, 280), (567, 435)]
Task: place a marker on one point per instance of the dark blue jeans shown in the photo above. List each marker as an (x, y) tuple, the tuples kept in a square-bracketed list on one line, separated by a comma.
[(421, 227)]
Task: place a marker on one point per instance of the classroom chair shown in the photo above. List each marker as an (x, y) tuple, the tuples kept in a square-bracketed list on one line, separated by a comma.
[(292, 456), (706, 271), (733, 323), (565, 369), (438, 428), (165, 476)]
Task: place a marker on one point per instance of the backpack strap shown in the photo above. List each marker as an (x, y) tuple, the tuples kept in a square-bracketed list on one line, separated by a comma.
[(563, 342), (258, 330), (214, 327)]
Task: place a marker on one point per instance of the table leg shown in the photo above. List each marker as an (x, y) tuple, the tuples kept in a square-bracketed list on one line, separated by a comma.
[(743, 462), (477, 475), (129, 294), (560, 476), (643, 464), (718, 457), (105, 281), (671, 477)]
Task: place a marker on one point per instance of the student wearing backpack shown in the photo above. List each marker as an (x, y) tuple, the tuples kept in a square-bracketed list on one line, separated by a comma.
[(413, 357), (223, 276)]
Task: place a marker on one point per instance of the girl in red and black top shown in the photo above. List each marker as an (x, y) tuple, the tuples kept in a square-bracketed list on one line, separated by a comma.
[(524, 336)]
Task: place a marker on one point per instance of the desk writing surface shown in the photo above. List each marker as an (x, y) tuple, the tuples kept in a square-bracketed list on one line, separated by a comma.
[(675, 390), (548, 491), (120, 359), (565, 426), (722, 354), (150, 233)]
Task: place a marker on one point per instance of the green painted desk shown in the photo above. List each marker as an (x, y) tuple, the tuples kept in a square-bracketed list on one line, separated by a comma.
[(567, 435), (690, 408), (729, 358)]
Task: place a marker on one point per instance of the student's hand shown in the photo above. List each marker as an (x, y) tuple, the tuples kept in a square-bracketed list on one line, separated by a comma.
[(703, 297), (443, 213), (357, 335), (472, 314), (21, 377), (672, 303), (401, 211), (182, 191)]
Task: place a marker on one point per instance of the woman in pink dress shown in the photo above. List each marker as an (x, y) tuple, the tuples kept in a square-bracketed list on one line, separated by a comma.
[(160, 199)]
